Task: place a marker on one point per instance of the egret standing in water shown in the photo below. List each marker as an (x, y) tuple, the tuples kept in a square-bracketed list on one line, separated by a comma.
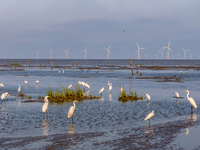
[(148, 96), (1, 85), (71, 110), (3, 96), (177, 95), (191, 100), (110, 87), (45, 105), (69, 86), (100, 92), (26, 82), (19, 88), (149, 116)]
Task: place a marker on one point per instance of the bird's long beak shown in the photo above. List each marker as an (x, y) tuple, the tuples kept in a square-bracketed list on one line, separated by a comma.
[(185, 90), (8, 95)]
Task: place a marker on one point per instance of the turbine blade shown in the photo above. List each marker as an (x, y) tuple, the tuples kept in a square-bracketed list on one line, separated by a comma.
[(169, 43), (110, 46), (171, 50), (137, 45)]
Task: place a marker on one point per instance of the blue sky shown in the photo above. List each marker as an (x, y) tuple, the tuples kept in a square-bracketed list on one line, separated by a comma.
[(38, 25)]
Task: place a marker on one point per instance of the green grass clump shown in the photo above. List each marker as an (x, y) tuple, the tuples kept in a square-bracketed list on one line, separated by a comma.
[(65, 94), (132, 96)]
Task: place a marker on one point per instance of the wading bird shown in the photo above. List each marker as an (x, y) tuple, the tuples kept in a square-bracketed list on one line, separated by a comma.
[(37, 81), (1, 85), (45, 105), (191, 100), (19, 88), (26, 82), (149, 116), (100, 92), (110, 87), (177, 95), (121, 89), (71, 110), (69, 86), (148, 96), (187, 131), (3, 96)]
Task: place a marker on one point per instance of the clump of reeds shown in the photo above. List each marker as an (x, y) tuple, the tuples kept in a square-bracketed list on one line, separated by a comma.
[(131, 96), (71, 94)]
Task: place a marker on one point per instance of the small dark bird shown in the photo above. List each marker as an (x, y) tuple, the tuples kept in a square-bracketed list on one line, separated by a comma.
[(97, 71), (136, 72), (140, 74), (123, 30)]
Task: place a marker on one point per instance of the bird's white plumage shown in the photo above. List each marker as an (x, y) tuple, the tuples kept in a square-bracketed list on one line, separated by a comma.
[(45, 105), (149, 115), (190, 99), (148, 96), (187, 131), (63, 71), (177, 95), (101, 90), (26, 82), (71, 109), (110, 87), (69, 86), (19, 88), (3, 96), (1, 85), (37, 81), (121, 89)]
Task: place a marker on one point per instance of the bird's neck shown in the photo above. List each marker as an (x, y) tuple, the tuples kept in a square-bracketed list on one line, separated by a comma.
[(188, 94), (74, 105)]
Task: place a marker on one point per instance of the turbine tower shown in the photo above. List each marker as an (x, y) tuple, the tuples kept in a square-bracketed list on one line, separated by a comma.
[(138, 50), (66, 51), (161, 53), (50, 53), (168, 49), (37, 53), (185, 52), (85, 51), (108, 49)]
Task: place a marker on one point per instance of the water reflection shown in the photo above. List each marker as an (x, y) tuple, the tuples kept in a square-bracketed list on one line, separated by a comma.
[(110, 97), (193, 117), (102, 99), (149, 130), (70, 129), (45, 127)]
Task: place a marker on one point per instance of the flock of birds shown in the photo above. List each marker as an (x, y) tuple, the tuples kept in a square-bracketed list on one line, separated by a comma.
[(72, 108)]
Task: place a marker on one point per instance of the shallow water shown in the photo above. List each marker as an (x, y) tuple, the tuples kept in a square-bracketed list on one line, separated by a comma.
[(102, 120)]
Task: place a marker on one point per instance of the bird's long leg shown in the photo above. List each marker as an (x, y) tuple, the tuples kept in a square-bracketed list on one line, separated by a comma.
[(191, 109), (149, 122), (72, 119)]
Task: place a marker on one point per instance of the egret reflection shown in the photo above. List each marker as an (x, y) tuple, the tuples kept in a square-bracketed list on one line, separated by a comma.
[(110, 97), (149, 130), (45, 127), (87, 93), (193, 117), (70, 129)]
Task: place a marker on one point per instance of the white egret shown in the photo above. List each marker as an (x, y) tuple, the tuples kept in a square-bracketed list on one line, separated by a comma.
[(59, 71), (37, 81), (148, 96), (71, 110), (100, 92), (191, 100), (63, 71), (109, 83), (121, 89), (69, 86), (45, 105), (187, 131), (110, 87), (148, 117), (1, 85), (26, 82), (177, 95), (3, 96), (19, 88), (87, 85)]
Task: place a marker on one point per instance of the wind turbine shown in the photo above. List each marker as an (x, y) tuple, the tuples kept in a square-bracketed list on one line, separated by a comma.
[(138, 50), (161, 53), (66, 51), (50, 53), (168, 49), (85, 51), (185, 52), (37, 53), (108, 49)]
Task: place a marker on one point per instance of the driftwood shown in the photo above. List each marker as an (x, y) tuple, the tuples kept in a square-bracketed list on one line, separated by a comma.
[(77, 66)]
